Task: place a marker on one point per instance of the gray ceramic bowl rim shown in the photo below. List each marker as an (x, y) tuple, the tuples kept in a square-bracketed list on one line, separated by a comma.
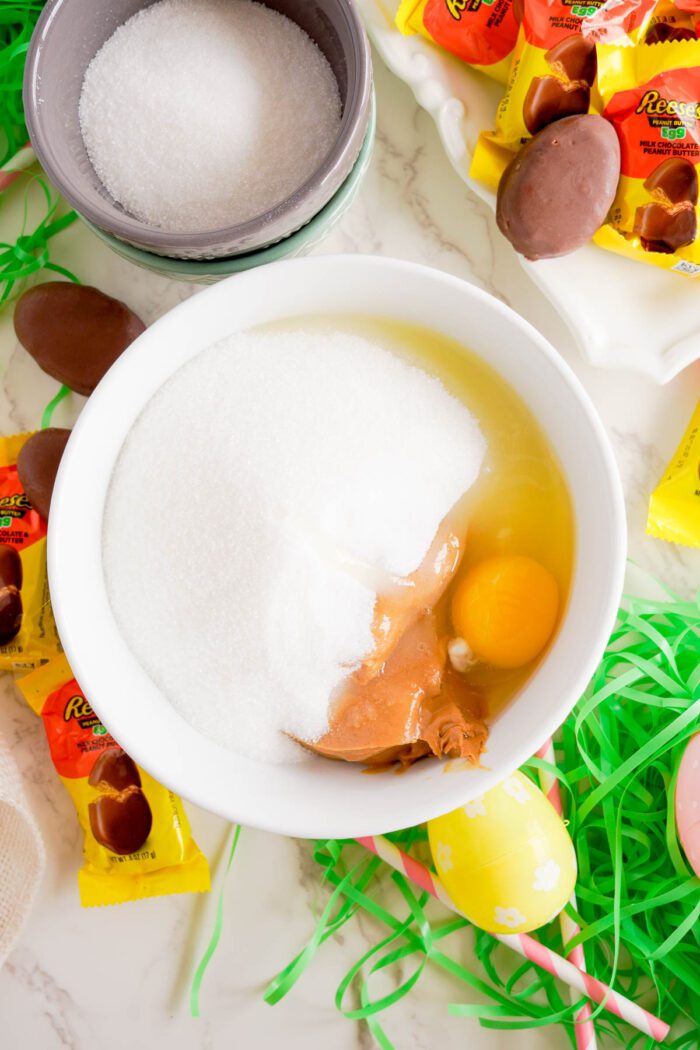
[(224, 267), (126, 227)]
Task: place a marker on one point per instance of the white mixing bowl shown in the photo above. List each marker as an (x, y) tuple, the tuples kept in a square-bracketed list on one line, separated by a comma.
[(317, 797)]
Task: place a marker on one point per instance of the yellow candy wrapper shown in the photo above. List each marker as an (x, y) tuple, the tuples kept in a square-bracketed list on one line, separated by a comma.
[(674, 508), (137, 837), (480, 32), (552, 75), (651, 95), (28, 635)]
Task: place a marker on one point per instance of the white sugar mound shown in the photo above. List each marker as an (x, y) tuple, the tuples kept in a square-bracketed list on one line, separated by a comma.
[(259, 499), (201, 114)]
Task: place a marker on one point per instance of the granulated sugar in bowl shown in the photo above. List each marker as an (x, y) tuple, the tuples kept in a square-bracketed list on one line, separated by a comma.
[(198, 129), (341, 464), (254, 470), (201, 114)]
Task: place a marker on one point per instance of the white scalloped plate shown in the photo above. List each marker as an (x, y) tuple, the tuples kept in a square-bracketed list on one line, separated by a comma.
[(623, 314)]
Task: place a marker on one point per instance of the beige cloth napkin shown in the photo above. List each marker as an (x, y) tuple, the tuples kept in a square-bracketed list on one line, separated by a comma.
[(22, 855)]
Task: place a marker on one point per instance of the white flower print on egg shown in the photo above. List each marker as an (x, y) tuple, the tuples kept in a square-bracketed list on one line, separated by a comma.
[(546, 876), (444, 856), (475, 808), (509, 917), (516, 789)]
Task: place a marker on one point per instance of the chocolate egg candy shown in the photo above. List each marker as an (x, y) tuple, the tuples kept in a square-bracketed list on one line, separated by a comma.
[(37, 466), (74, 333), (549, 99), (10, 597), (683, 33), (574, 58), (662, 32), (115, 771), (665, 229), (10, 566), (557, 191), (10, 614), (121, 823), (674, 181)]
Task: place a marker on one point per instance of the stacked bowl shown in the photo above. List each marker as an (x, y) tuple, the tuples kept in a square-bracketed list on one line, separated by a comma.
[(70, 33)]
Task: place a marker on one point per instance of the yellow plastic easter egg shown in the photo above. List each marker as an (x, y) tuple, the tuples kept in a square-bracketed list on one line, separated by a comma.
[(505, 858)]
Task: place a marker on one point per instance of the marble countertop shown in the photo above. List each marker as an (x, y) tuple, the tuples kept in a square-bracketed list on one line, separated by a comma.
[(117, 977)]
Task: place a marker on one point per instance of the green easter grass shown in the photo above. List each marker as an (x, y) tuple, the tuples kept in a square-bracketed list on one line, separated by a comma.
[(638, 901)]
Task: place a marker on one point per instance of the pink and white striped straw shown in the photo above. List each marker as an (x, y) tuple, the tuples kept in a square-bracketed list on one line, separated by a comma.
[(525, 945), (19, 162), (585, 1028)]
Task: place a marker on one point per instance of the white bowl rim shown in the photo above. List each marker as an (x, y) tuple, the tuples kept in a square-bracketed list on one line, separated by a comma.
[(94, 646)]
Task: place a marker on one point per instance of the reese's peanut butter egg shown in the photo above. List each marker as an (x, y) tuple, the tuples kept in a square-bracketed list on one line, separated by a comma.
[(121, 822), (37, 466), (73, 332), (505, 858), (557, 191), (115, 771)]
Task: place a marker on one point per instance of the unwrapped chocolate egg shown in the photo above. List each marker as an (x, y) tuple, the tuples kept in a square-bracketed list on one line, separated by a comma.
[(557, 191), (37, 466), (73, 332)]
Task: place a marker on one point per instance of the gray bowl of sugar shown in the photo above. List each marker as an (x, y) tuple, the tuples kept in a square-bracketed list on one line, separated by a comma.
[(217, 127)]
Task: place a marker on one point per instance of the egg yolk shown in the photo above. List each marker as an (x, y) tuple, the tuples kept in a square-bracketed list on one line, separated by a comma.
[(505, 608)]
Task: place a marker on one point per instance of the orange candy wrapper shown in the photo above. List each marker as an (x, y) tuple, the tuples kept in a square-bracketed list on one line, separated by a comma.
[(553, 75), (651, 95), (480, 32), (674, 508), (28, 635), (137, 837)]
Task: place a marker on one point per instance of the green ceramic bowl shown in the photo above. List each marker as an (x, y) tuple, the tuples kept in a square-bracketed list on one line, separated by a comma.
[(207, 271)]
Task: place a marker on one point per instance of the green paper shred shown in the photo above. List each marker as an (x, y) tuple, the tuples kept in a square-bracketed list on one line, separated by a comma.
[(17, 21), (29, 254), (638, 901), (47, 414), (195, 990)]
